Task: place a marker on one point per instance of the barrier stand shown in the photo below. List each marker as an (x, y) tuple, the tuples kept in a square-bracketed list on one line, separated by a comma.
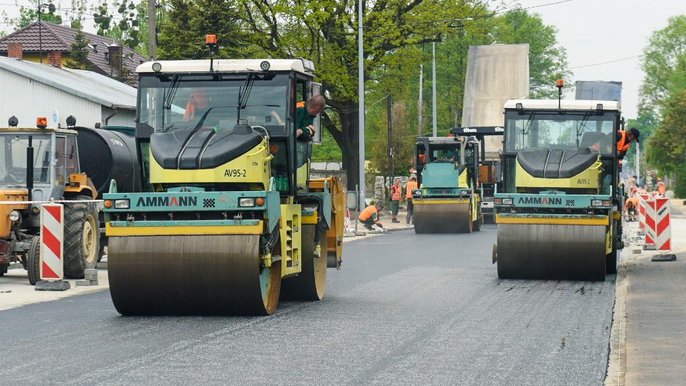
[(642, 198), (52, 249), (663, 232)]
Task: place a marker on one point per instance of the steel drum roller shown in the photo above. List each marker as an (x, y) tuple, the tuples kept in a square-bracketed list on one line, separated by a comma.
[(191, 275), (442, 218), (554, 252)]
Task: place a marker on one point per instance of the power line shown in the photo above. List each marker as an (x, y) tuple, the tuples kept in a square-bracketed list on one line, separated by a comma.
[(607, 62)]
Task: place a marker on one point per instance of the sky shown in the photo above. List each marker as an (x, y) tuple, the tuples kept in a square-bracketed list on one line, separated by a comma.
[(604, 39)]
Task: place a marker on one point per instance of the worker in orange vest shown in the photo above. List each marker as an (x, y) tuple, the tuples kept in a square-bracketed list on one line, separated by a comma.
[(396, 195), (624, 139), (409, 188), (370, 215)]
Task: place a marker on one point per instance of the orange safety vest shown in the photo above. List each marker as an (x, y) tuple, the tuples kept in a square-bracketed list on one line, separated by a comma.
[(411, 187), (367, 213), (623, 145), (395, 192)]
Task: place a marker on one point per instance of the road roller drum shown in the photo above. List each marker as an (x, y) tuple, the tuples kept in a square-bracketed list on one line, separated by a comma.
[(442, 218), (552, 252), (191, 275)]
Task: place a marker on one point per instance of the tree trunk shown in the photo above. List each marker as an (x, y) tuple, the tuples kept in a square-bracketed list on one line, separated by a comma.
[(347, 138)]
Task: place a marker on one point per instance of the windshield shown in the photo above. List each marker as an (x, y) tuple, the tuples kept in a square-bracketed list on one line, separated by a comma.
[(13, 159), (551, 130), (177, 102), (447, 152)]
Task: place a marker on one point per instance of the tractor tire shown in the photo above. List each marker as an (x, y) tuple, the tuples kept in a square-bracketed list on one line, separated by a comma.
[(33, 261), (81, 238)]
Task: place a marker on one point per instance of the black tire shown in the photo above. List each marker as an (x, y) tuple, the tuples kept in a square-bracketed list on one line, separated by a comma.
[(478, 222), (33, 261), (310, 284), (81, 238), (611, 262)]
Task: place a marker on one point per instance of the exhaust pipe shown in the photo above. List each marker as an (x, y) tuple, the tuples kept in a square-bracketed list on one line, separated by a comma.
[(29, 167)]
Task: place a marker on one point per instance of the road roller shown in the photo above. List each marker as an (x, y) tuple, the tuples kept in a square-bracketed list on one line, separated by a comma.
[(232, 221), (559, 210), (447, 200)]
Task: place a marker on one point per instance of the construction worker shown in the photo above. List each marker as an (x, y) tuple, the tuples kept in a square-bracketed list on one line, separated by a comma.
[(370, 215), (661, 188), (304, 117), (624, 139), (631, 207), (396, 195), (409, 188)]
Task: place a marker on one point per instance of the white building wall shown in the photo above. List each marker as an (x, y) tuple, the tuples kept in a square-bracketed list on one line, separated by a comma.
[(28, 99), (120, 118)]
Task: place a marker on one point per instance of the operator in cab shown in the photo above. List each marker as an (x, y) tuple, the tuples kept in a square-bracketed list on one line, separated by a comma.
[(304, 117), (624, 140)]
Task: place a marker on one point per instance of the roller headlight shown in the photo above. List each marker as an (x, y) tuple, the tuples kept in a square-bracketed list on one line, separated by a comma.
[(246, 202), (15, 216), (507, 201), (121, 204)]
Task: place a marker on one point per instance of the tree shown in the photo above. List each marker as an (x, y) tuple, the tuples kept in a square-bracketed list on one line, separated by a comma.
[(325, 32), (183, 32), (27, 15), (131, 26), (665, 51), (667, 147), (78, 55)]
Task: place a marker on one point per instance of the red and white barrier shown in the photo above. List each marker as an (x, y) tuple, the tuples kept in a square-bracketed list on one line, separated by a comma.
[(643, 198), (657, 224), (52, 242)]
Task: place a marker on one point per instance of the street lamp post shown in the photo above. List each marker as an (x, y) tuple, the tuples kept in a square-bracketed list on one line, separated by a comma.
[(360, 93)]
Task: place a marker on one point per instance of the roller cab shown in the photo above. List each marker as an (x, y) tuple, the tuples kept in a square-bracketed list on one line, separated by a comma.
[(557, 213), (232, 221), (448, 199)]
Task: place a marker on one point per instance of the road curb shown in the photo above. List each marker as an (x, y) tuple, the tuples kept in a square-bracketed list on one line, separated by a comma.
[(616, 366)]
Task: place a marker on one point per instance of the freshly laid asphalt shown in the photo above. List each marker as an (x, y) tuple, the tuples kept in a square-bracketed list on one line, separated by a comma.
[(404, 309)]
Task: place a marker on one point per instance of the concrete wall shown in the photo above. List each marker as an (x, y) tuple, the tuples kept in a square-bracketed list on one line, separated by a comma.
[(495, 74)]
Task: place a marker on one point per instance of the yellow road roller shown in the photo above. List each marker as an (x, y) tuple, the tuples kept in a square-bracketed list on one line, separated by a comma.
[(448, 200), (233, 220), (559, 212)]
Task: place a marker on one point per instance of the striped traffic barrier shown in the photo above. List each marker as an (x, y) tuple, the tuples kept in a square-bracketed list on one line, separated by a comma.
[(643, 198), (663, 232), (52, 249)]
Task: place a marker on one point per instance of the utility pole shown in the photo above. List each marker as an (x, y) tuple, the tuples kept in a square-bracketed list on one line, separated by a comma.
[(40, 35), (433, 89), (152, 29), (360, 95), (389, 114), (420, 109)]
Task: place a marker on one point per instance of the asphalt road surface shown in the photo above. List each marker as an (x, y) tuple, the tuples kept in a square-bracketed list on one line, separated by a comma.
[(405, 309)]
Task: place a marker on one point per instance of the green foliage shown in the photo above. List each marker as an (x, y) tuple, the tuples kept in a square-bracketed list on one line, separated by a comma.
[(183, 32), (29, 14), (131, 26), (663, 63), (78, 55), (646, 122), (667, 147)]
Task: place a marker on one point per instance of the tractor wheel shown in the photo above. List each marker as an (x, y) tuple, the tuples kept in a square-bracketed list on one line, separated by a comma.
[(81, 238), (33, 261)]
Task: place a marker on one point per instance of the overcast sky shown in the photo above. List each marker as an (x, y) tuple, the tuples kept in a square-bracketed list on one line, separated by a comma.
[(613, 32)]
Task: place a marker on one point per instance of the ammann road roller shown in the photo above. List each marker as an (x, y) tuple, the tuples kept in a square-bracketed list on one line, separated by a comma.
[(559, 213), (447, 200), (233, 221)]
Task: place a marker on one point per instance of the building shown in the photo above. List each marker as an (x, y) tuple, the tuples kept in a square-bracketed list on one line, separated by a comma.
[(52, 44), (30, 90)]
